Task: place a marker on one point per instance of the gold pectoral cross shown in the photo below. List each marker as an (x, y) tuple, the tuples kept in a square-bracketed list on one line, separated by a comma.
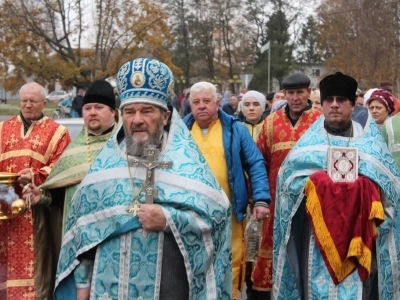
[(134, 209)]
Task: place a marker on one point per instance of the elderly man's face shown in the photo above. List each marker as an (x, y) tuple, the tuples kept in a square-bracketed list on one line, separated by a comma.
[(297, 100), (32, 102), (204, 107), (337, 111), (143, 124)]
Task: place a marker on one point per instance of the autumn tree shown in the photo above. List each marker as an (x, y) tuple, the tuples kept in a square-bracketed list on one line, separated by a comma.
[(280, 27), (365, 43), (69, 41), (205, 39), (235, 33), (208, 37), (308, 51), (280, 47), (180, 16)]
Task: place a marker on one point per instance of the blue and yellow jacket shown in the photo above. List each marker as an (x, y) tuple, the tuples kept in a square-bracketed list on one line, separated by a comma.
[(242, 155)]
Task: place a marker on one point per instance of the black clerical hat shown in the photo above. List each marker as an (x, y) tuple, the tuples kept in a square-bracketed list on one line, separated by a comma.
[(100, 91), (338, 84)]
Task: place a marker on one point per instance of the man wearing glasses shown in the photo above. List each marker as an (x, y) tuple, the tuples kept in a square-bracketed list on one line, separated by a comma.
[(30, 145), (336, 223)]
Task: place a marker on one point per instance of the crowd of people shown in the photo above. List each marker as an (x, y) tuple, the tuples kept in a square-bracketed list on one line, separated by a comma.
[(145, 204)]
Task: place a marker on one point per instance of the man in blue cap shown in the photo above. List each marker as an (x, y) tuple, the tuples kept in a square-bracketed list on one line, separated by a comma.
[(149, 220)]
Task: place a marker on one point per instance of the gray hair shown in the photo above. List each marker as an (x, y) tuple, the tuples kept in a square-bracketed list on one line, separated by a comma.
[(34, 84), (201, 86)]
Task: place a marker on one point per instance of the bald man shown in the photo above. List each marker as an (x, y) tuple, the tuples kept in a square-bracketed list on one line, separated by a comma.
[(30, 145)]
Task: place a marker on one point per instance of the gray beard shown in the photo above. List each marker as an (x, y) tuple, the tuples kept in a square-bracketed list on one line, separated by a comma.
[(134, 148)]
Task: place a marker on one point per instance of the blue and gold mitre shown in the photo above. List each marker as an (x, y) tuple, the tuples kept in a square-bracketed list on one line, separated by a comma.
[(145, 80)]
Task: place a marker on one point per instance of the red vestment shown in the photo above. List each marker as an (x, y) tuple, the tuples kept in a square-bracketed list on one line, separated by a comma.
[(344, 217), (276, 139), (21, 273)]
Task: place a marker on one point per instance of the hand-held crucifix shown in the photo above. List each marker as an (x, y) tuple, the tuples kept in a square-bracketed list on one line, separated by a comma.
[(151, 154)]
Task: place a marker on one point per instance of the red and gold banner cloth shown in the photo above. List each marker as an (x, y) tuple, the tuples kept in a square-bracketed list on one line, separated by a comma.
[(38, 149), (276, 139), (344, 217)]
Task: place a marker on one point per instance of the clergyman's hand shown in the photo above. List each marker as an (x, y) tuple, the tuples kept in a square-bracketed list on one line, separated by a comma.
[(34, 192), (152, 217), (25, 176)]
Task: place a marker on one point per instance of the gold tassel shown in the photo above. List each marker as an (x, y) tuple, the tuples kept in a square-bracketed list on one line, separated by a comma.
[(377, 211), (355, 248), (366, 258)]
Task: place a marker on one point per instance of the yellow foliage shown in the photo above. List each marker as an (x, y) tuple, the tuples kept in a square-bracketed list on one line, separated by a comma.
[(360, 43), (30, 47)]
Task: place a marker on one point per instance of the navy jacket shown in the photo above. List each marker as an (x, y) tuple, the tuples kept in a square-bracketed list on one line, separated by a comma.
[(360, 115), (242, 155)]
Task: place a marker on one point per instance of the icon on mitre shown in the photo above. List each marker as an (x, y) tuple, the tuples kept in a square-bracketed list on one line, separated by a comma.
[(138, 79)]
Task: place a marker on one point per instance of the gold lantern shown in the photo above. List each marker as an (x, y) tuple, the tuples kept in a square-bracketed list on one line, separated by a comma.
[(10, 205)]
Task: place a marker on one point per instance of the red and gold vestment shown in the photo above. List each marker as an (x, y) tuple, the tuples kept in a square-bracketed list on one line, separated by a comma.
[(26, 263), (276, 139)]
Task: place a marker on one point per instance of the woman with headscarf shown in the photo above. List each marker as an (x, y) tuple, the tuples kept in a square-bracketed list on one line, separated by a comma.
[(277, 105), (368, 94), (381, 106), (253, 106)]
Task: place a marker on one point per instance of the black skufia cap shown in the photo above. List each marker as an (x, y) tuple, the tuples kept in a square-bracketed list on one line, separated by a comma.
[(100, 91), (338, 84)]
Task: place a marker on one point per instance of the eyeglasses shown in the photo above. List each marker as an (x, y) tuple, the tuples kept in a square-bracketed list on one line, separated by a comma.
[(339, 100), (33, 102)]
